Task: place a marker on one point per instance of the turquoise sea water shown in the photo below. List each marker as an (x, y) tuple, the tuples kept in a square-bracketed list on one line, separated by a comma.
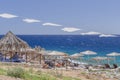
[(75, 43)]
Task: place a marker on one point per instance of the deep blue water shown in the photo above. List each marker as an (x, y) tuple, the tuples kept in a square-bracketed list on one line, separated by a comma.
[(74, 43)]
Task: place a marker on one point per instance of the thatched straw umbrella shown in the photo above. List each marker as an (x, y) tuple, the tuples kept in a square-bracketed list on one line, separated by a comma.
[(100, 58), (11, 42), (55, 54), (88, 53), (114, 54), (77, 56)]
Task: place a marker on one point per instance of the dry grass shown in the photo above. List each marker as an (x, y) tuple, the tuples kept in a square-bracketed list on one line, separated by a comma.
[(58, 74)]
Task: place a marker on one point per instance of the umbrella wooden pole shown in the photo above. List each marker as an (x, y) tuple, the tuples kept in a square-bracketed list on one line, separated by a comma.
[(54, 64), (114, 59), (66, 64), (5, 56), (26, 57), (79, 60), (20, 54), (11, 57), (88, 57), (108, 61), (40, 58), (98, 62)]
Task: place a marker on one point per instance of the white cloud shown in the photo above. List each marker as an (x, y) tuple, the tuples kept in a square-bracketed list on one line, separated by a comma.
[(107, 35), (8, 16), (27, 20), (91, 33), (51, 24), (70, 29)]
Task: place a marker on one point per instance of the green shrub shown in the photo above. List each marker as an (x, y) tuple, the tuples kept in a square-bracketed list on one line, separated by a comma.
[(2, 71), (39, 72), (39, 77), (56, 73), (16, 72), (31, 70), (31, 77), (47, 77), (70, 78)]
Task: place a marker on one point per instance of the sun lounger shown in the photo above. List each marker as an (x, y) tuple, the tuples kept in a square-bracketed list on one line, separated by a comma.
[(115, 66), (107, 66), (87, 66), (16, 58), (45, 66)]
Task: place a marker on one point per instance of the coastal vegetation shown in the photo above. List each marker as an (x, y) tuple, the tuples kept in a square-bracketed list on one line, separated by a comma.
[(24, 72), (31, 74)]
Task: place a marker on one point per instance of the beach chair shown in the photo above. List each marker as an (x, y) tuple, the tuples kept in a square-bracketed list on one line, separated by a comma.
[(45, 66), (87, 66), (107, 66), (16, 58), (115, 66)]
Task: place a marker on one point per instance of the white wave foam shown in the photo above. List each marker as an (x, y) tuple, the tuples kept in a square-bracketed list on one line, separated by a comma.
[(91, 33), (107, 35), (77, 62)]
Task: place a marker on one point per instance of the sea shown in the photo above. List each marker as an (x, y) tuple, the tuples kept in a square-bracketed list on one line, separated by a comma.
[(71, 44)]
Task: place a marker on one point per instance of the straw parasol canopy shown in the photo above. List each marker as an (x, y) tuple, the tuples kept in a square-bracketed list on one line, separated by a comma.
[(56, 53), (114, 54), (88, 52), (38, 48), (99, 58), (30, 50), (76, 55), (11, 42)]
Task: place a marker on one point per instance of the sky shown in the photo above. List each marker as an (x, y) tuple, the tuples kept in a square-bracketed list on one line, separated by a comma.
[(60, 17)]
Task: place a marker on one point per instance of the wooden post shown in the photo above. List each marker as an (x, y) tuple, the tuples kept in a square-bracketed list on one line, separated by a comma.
[(5, 56), (11, 57)]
